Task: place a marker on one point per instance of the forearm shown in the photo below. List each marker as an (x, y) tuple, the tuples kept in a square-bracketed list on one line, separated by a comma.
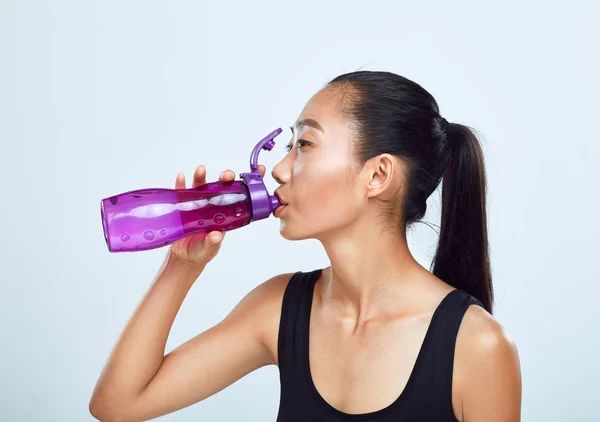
[(139, 352)]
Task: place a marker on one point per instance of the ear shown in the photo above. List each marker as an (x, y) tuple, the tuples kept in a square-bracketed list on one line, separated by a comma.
[(382, 175)]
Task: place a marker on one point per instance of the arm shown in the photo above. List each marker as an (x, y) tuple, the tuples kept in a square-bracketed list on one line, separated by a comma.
[(140, 383), (489, 375)]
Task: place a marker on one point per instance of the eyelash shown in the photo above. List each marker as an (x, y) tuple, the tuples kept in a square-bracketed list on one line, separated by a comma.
[(289, 146)]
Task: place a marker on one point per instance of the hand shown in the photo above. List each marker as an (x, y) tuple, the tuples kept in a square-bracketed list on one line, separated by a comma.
[(201, 248)]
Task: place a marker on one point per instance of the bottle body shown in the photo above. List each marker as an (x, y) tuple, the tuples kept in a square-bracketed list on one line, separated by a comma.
[(151, 218)]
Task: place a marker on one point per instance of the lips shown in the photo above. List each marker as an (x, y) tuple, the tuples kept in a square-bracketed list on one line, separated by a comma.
[(281, 200), (279, 210)]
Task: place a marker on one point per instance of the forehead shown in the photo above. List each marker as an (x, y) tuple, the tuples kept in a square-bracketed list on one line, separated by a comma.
[(324, 108)]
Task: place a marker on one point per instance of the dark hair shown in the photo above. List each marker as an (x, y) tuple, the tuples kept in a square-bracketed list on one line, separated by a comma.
[(391, 114)]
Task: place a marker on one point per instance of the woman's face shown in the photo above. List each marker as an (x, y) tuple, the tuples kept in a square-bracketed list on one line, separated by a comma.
[(320, 180)]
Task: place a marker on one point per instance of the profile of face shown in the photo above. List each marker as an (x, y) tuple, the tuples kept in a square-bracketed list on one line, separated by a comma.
[(325, 188)]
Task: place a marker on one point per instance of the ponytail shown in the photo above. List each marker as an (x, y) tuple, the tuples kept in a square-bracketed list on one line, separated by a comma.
[(462, 256)]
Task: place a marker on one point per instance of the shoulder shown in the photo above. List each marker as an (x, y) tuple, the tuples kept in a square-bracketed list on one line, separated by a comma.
[(272, 288), (261, 310), (487, 374), (481, 330)]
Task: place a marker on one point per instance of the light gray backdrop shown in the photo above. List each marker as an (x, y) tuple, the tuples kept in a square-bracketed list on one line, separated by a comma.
[(101, 97)]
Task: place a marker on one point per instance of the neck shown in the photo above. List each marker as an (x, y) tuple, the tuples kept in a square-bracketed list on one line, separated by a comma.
[(372, 272)]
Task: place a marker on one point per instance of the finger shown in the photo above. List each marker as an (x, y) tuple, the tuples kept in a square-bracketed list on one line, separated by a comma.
[(227, 176), (180, 181), (199, 176), (216, 237), (262, 170)]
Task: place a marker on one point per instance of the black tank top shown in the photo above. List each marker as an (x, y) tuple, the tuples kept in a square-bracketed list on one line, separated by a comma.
[(428, 393)]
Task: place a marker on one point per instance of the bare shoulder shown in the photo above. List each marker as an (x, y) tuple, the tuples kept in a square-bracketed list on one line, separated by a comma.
[(482, 333), (262, 305), (487, 374)]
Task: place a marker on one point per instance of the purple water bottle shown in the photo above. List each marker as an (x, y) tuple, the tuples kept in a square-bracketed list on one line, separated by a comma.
[(151, 218)]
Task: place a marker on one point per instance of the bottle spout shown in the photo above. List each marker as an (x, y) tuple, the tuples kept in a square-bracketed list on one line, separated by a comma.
[(275, 203)]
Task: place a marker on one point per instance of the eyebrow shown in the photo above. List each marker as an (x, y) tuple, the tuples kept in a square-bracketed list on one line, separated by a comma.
[(307, 122)]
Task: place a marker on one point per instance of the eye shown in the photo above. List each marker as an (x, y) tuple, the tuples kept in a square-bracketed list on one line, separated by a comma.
[(301, 143)]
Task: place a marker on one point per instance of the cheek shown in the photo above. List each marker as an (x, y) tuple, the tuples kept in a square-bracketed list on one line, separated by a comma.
[(325, 194)]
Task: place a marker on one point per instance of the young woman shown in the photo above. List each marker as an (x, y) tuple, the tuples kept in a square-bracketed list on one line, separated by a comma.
[(372, 337)]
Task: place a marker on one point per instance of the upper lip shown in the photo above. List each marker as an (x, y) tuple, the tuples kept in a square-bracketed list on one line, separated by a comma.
[(281, 200)]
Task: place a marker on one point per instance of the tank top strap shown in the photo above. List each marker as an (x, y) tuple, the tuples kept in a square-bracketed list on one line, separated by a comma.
[(435, 377), (292, 325)]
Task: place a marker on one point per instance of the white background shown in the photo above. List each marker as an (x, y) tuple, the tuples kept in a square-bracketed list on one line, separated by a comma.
[(97, 98)]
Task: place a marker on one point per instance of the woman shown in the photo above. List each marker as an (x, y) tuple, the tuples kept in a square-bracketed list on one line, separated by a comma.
[(374, 336)]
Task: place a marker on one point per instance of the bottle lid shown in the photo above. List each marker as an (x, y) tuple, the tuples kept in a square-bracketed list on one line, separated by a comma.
[(263, 204)]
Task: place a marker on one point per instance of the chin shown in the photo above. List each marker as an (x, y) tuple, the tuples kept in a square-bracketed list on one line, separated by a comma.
[(289, 233)]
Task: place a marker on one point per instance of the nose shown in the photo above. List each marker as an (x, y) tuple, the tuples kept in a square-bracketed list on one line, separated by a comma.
[(281, 171), (276, 178)]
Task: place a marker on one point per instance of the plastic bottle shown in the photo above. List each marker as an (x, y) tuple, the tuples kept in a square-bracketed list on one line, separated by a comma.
[(151, 218)]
